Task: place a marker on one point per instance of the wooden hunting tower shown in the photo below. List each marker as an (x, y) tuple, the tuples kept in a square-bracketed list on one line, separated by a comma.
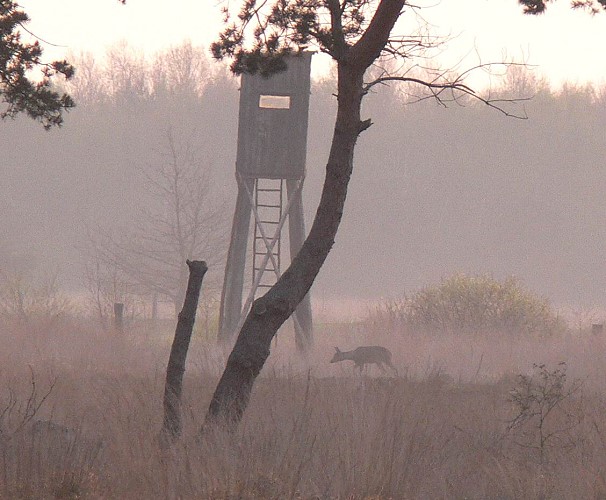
[(270, 168)]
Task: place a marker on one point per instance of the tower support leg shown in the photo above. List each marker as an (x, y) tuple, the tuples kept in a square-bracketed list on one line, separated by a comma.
[(296, 228), (233, 284)]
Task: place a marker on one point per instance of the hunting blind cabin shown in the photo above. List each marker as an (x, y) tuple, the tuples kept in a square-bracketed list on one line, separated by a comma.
[(270, 169)]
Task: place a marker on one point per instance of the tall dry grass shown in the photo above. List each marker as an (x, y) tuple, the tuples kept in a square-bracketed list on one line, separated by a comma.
[(313, 430)]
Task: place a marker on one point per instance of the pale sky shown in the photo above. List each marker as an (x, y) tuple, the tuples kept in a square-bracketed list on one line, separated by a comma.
[(564, 45)]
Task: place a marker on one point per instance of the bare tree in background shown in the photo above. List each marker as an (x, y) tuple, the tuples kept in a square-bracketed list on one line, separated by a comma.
[(181, 70), (33, 301), (88, 85), (521, 80), (186, 219), (106, 285), (178, 73), (126, 73)]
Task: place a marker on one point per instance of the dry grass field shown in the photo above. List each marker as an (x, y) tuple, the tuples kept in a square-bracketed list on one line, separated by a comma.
[(80, 413)]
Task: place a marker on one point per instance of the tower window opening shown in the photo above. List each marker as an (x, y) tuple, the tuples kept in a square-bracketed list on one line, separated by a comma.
[(274, 101)]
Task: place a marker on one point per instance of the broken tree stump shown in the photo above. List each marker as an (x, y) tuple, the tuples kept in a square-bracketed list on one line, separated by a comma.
[(172, 425)]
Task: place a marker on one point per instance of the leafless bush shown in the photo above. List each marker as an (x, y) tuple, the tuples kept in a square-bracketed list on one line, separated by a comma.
[(544, 413), (16, 413), (34, 303), (39, 457)]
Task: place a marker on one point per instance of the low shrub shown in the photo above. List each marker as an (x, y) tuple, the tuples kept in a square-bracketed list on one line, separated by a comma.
[(470, 304)]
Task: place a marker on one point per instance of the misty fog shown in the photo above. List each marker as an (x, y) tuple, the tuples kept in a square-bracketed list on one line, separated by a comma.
[(435, 190), (476, 403)]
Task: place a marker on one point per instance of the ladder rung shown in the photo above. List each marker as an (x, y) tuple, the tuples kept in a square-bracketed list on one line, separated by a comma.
[(261, 238), (270, 206)]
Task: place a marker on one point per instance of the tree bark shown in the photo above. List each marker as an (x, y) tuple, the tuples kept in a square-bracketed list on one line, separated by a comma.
[(172, 425)]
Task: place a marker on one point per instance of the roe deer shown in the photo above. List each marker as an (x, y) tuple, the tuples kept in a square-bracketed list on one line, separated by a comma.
[(366, 355)]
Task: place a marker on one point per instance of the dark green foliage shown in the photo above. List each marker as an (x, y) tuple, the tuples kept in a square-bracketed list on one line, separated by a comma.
[(539, 6), (287, 26), (18, 90)]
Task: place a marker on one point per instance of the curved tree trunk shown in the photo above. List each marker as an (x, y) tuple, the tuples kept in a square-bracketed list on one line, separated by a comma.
[(269, 312)]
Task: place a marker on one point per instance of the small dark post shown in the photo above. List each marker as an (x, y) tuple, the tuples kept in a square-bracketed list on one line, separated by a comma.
[(172, 425), (119, 317), (597, 329)]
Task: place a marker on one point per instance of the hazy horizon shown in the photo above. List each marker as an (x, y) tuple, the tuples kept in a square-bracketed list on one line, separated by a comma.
[(434, 192)]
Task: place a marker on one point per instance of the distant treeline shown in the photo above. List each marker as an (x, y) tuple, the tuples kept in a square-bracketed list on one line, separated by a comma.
[(436, 189)]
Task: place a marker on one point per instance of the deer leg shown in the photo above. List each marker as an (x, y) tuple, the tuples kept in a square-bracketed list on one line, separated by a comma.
[(393, 368)]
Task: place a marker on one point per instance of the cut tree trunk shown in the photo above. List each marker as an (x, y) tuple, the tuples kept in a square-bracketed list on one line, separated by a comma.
[(172, 425)]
